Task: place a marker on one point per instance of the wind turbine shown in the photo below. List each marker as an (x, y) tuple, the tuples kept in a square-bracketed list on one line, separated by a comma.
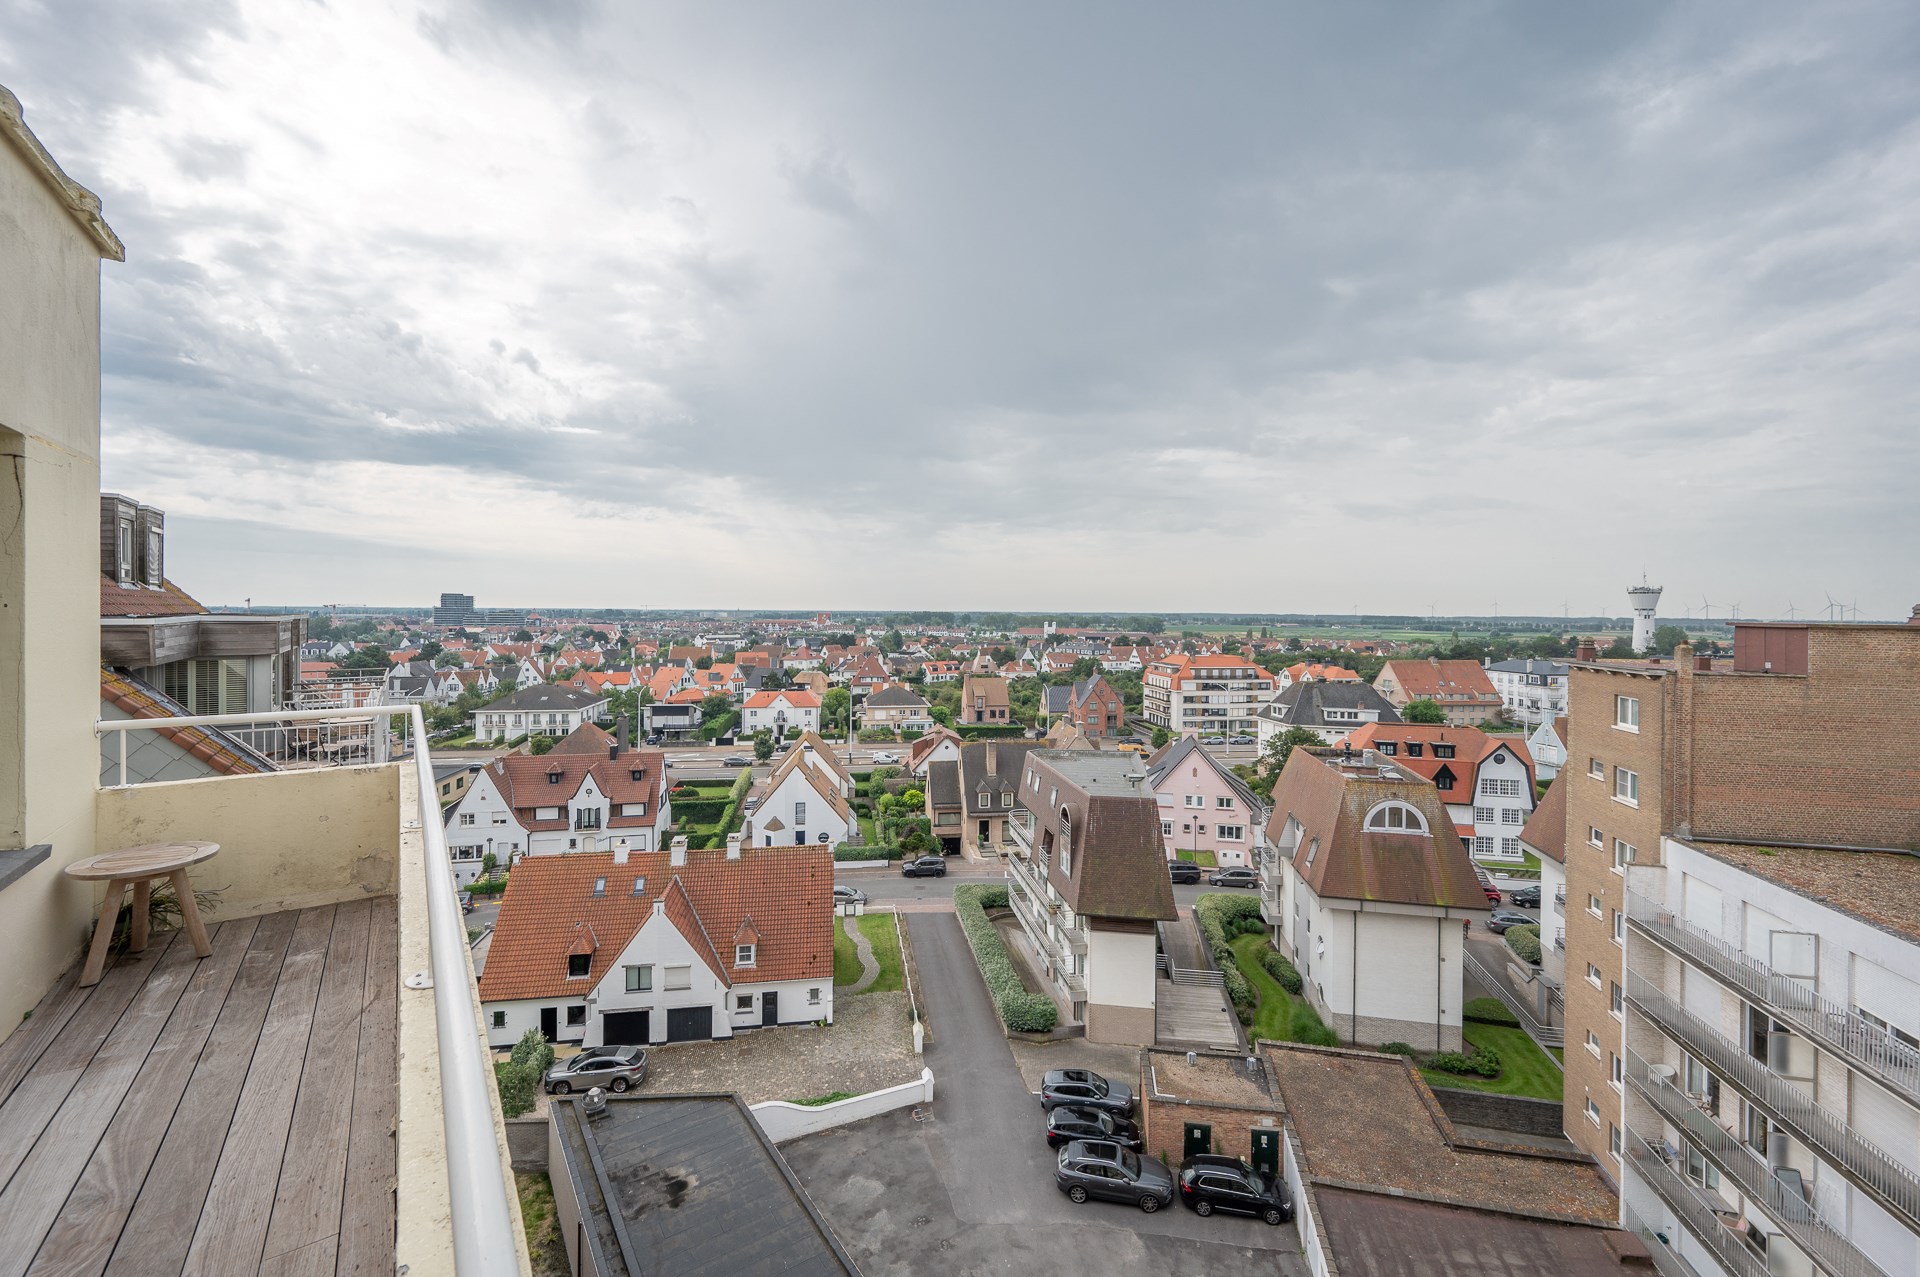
[(1792, 611), (1831, 605), (1706, 608)]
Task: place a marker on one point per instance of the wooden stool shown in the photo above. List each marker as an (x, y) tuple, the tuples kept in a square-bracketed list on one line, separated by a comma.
[(140, 866)]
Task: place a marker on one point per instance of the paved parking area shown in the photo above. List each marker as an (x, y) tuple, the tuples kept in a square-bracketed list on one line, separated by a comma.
[(970, 1189), (868, 1046)]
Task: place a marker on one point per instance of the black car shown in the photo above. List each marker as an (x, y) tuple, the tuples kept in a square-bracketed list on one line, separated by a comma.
[(1083, 1088), (1237, 877), (1102, 1169), (1525, 897), (1068, 1123), (845, 895), (736, 760), (1209, 1183), (1500, 919), (924, 867), (1183, 871)]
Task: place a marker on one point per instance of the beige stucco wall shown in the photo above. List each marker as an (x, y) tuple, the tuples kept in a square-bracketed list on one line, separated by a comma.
[(288, 840), (49, 568)]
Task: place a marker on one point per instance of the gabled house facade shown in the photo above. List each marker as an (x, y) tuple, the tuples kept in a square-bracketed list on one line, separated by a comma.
[(618, 948), (897, 708), (1203, 806), (539, 805), (542, 710), (983, 700), (1090, 704), (784, 713), (1461, 689), (1485, 781), (802, 806)]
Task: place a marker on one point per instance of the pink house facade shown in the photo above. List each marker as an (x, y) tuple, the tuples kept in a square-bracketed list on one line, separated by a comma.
[(1204, 806)]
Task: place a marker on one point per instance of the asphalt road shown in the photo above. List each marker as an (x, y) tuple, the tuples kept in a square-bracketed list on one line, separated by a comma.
[(972, 1189), (935, 895)]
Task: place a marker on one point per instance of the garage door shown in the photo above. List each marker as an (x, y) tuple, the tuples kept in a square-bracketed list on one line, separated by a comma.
[(690, 1024), (625, 1028)]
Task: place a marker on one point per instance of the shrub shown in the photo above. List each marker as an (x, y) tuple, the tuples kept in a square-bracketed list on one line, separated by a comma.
[(1283, 972), (1215, 912), (1020, 1011), (1239, 992), (730, 814), (1449, 1062), (1483, 1062), (1244, 1014), (1490, 1011), (516, 1086), (1525, 942), (869, 851), (533, 1049), (1398, 1048)]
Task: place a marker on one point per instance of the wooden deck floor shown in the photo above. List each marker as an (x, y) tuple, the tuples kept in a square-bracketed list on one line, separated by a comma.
[(226, 1116)]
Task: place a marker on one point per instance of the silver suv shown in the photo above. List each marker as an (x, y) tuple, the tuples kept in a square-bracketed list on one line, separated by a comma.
[(611, 1068)]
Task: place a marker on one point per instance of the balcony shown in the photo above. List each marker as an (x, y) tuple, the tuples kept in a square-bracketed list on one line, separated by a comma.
[(1707, 1219), (1893, 1187), (1894, 1065), (1738, 1164), (1560, 902), (1666, 1260), (314, 1095)]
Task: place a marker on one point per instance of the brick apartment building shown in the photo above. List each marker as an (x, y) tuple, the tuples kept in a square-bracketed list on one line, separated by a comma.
[(1461, 689), (1767, 749), (1090, 705)]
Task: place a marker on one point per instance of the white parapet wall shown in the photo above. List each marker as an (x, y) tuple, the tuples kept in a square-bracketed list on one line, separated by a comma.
[(783, 1121)]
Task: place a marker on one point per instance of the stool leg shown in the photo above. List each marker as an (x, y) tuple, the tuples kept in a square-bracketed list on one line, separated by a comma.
[(142, 902), (103, 932), (190, 914)]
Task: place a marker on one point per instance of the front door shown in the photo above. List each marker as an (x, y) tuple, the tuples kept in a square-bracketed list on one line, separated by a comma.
[(1199, 1139), (769, 1008), (1266, 1151), (550, 1023)]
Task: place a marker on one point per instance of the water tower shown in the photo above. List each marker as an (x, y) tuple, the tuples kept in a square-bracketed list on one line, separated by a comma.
[(1644, 599)]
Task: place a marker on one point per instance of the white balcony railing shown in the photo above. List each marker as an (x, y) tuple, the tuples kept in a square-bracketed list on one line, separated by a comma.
[(1709, 1221), (483, 1233), (1867, 1048)]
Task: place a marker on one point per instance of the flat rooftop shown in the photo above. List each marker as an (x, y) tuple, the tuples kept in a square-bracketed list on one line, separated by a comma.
[(1881, 888), (1099, 771), (1384, 1236), (689, 1184), (1220, 1079)]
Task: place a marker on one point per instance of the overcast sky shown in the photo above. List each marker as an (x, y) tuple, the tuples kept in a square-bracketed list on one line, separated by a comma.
[(1227, 307)]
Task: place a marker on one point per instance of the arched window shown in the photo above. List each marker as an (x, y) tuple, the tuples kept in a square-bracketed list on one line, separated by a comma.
[(1395, 818)]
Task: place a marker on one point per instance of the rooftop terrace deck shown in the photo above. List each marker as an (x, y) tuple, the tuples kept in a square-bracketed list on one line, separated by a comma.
[(225, 1116)]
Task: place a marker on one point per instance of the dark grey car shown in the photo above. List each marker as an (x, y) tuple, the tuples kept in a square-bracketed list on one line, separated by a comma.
[(1101, 1169), (611, 1068), (1083, 1088)]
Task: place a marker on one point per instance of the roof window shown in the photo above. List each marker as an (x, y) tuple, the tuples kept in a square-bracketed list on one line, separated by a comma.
[(599, 886), (1395, 818)]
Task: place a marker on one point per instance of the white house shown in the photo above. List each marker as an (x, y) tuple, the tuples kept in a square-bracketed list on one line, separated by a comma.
[(1485, 781), (551, 804), (1545, 835), (802, 805), (784, 713), (1549, 749), (1532, 690), (541, 710), (1365, 887), (661, 947), (1331, 709)]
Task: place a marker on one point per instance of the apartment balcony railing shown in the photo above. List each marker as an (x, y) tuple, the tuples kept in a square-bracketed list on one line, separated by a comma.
[(1893, 1186), (1795, 1216), (1666, 1260), (1560, 902), (1705, 1219), (456, 1099), (1892, 1063)]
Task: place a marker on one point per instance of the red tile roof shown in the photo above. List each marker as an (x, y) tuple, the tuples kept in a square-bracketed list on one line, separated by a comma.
[(134, 600), (785, 892), (1443, 681), (523, 782), (796, 698), (1546, 828), (1471, 747)]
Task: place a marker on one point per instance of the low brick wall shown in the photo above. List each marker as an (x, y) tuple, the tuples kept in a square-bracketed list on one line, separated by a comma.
[(1501, 1112), (527, 1143)]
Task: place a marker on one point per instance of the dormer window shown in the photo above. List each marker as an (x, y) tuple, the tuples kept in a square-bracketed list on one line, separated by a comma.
[(639, 773), (579, 965), (553, 778), (743, 955), (1395, 818), (1389, 748), (1415, 749), (1446, 751), (599, 886)]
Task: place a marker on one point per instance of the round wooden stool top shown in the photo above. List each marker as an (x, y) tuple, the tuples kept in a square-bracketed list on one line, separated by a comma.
[(150, 860)]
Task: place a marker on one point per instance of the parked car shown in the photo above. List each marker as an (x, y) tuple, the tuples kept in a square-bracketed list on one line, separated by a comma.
[(466, 902), (1492, 893), (848, 895), (1183, 871), (612, 1068), (1131, 740), (1525, 897), (1241, 740), (884, 757), (654, 739), (1235, 877), (1102, 1169), (1213, 740), (1083, 1088), (736, 760), (1068, 1123), (924, 867), (749, 805), (1501, 919), (1209, 1182)]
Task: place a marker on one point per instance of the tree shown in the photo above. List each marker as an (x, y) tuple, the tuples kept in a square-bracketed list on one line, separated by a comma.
[(523, 636), (1666, 638), (1621, 649), (774, 680), (446, 661), (713, 706), (1281, 747), (834, 708), (1423, 711), (368, 658), (1160, 737), (430, 649), (763, 744), (703, 662), (894, 641), (540, 745), (941, 715), (489, 863)]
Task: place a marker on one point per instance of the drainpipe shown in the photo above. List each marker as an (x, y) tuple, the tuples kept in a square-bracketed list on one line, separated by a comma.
[(1353, 1016), (1439, 980)]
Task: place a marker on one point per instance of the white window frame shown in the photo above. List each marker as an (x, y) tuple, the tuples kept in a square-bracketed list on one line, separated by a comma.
[(1594, 906), (1623, 855), (744, 955), (1594, 837), (1593, 1113), (1593, 976), (1627, 780), (1411, 819), (1593, 1044), (679, 977), (1596, 769), (1626, 713)]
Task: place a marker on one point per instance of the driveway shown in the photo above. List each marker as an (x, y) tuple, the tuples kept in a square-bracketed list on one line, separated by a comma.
[(971, 1188)]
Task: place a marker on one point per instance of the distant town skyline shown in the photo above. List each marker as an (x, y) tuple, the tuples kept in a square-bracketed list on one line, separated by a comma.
[(1374, 308)]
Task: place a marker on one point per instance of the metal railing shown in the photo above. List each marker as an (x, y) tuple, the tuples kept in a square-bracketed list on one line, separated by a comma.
[(1792, 1212), (1699, 1216), (1892, 1063), (1545, 1035), (484, 1244), (1666, 1260), (291, 737), (1892, 1186)]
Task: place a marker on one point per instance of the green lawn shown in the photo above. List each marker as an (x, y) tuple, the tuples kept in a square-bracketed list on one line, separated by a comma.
[(1205, 859), (867, 833), (544, 1244), (878, 928), (1524, 1067), (846, 963), (1279, 1016)]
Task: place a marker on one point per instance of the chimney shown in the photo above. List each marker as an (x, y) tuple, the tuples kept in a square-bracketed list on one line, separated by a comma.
[(679, 852), (1586, 650), (733, 845), (1914, 619), (619, 855), (619, 745)]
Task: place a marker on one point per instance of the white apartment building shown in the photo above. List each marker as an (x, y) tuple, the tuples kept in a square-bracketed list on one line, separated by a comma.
[(1769, 1056), (1205, 695), (1532, 690), (547, 709)]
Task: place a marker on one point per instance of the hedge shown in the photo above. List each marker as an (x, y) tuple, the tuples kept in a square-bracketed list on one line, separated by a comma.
[(1221, 917), (1284, 973), (869, 851), (721, 725), (1399, 1048), (1525, 941), (698, 811), (521, 1073), (730, 814), (1020, 1011)]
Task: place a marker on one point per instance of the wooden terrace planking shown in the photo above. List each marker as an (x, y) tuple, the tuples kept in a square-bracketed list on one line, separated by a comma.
[(227, 1115)]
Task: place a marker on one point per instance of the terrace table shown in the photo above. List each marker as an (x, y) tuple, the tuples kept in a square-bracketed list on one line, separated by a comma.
[(139, 866)]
